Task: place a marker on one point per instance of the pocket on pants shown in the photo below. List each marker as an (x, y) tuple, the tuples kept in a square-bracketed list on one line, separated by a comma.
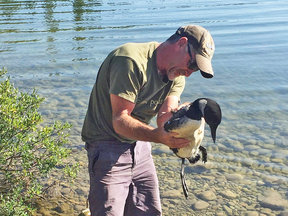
[(94, 161), (93, 154), (101, 161)]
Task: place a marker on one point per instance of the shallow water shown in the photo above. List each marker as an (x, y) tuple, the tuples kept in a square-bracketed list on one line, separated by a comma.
[(57, 47)]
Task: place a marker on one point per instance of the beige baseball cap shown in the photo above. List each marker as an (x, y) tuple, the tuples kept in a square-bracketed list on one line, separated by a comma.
[(203, 44)]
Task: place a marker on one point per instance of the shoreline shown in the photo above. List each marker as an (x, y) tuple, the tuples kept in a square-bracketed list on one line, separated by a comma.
[(214, 189)]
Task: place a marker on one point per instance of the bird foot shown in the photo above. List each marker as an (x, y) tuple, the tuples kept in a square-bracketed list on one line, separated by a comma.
[(204, 153), (195, 159)]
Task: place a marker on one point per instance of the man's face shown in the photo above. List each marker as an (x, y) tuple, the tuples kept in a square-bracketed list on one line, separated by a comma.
[(184, 64)]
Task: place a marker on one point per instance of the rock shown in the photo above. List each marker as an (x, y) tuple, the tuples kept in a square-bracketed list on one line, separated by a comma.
[(260, 183), (58, 209), (78, 208), (254, 153), (209, 165), (252, 213), (234, 177), (200, 205), (207, 196), (251, 147), (79, 191), (247, 162), (273, 200), (228, 210), (251, 207), (271, 179), (284, 213), (284, 170), (277, 160), (266, 211), (237, 146), (228, 194), (209, 178), (171, 194), (251, 142), (269, 146), (265, 152), (220, 214), (66, 191)]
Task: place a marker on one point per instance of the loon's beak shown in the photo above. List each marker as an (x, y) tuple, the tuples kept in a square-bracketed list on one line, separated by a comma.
[(213, 132)]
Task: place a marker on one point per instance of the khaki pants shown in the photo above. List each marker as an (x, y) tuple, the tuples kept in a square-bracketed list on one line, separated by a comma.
[(123, 179)]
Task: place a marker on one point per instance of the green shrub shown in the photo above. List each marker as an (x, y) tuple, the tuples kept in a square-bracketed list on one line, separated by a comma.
[(28, 152)]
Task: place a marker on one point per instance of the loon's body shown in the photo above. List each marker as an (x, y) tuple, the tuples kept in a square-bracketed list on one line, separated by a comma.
[(189, 123), (193, 131)]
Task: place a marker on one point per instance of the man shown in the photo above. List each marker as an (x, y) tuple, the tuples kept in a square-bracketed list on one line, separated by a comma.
[(136, 82)]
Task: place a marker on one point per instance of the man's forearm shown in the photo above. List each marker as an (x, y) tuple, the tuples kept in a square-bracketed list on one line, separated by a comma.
[(132, 128)]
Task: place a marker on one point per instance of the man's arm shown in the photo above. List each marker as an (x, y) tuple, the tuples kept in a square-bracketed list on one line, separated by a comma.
[(127, 126), (165, 113)]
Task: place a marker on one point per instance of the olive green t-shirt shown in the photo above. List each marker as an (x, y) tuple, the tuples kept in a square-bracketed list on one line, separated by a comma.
[(129, 72)]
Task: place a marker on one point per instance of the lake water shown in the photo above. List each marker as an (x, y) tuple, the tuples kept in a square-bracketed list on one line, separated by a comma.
[(57, 47)]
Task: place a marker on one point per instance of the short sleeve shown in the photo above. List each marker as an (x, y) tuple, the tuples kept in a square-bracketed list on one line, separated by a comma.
[(124, 78), (177, 87)]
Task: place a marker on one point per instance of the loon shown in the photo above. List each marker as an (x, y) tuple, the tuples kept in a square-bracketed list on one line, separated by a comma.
[(189, 123)]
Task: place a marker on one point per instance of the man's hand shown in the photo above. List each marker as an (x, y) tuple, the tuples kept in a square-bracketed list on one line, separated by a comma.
[(180, 107), (170, 139)]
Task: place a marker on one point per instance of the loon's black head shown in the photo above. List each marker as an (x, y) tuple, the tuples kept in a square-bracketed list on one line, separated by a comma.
[(209, 110)]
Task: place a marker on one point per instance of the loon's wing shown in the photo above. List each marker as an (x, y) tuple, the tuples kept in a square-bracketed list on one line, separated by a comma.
[(176, 119)]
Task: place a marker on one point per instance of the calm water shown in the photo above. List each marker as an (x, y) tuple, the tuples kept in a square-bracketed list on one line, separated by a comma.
[(57, 47)]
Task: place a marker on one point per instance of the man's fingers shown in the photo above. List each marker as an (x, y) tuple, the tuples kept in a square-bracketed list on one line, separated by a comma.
[(173, 134), (179, 142)]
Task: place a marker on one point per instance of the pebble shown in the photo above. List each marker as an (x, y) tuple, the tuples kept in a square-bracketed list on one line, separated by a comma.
[(206, 177), (247, 162), (228, 194), (220, 214), (171, 194), (78, 208), (284, 213), (266, 211), (200, 205), (207, 196), (277, 160), (254, 153), (251, 147), (252, 213), (260, 183), (264, 152), (271, 179), (66, 191), (237, 146), (228, 210), (234, 177)]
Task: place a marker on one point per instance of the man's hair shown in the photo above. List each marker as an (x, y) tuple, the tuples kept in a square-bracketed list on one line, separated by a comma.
[(173, 38)]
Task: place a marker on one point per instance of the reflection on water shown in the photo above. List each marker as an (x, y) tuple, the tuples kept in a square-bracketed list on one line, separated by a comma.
[(57, 46)]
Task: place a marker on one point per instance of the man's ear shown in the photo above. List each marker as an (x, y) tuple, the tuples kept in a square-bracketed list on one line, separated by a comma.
[(182, 41)]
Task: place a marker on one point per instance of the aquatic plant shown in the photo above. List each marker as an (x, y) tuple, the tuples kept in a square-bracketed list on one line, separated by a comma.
[(29, 151)]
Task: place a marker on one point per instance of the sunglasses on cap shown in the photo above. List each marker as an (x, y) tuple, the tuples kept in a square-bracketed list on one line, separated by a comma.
[(192, 65)]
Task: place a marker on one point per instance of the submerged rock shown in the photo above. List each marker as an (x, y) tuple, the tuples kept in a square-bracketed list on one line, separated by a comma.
[(228, 194), (234, 177), (207, 196), (200, 205), (273, 200)]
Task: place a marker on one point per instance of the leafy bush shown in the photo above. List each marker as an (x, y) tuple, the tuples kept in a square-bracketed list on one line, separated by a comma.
[(28, 151)]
